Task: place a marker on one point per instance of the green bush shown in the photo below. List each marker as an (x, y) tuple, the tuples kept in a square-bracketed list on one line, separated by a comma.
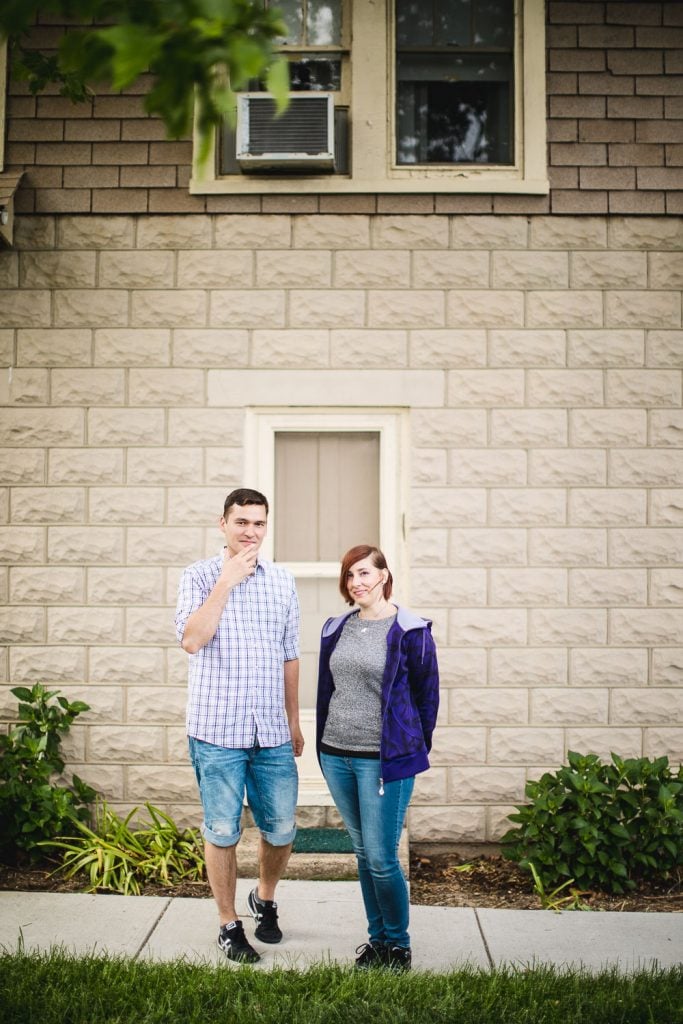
[(120, 857), (33, 807), (605, 826)]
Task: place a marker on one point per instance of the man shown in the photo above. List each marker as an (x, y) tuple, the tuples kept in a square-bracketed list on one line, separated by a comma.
[(238, 618)]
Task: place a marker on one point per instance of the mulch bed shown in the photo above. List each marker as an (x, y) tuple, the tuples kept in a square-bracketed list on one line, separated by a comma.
[(449, 880), (441, 879)]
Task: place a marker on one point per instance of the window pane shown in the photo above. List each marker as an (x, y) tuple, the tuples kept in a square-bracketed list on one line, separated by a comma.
[(323, 22), (414, 23), (326, 494), (453, 23), (494, 23), (454, 109), (315, 74), (292, 15)]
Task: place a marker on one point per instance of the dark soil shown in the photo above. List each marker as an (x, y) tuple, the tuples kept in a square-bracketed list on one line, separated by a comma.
[(448, 880), (443, 879)]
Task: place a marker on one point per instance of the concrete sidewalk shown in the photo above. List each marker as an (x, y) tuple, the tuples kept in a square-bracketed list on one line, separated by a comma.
[(324, 921)]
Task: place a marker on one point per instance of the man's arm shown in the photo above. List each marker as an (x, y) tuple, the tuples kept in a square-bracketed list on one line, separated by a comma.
[(201, 626), (291, 671)]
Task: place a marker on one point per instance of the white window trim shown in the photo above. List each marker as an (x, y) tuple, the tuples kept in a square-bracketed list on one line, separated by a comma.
[(261, 427), (372, 132)]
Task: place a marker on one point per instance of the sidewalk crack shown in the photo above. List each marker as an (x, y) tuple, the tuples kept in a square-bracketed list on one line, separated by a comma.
[(483, 939), (151, 931)]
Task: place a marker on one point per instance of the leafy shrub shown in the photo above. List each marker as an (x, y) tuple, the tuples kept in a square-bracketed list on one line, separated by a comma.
[(32, 807), (118, 857), (605, 826)]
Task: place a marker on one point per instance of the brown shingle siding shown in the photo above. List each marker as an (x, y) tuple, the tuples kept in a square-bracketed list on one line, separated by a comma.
[(633, 14), (124, 153), (28, 129), (577, 60), (670, 38), (635, 62), (645, 154), (637, 203), (578, 153), (659, 131), (615, 133), (607, 177), (606, 85), (561, 83), (602, 36), (650, 107), (563, 130), (92, 131), (660, 177), (607, 131), (665, 85), (673, 13), (586, 13)]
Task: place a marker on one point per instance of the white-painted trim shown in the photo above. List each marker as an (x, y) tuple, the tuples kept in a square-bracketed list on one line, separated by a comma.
[(261, 425)]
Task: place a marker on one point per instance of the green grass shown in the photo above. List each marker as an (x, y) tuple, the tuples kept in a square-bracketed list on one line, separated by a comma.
[(61, 989)]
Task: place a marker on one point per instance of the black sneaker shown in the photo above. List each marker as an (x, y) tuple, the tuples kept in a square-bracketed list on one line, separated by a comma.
[(398, 958), (264, 913), (372, 954), (233, 942)]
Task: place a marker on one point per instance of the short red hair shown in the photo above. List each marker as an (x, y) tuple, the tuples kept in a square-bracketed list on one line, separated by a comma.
[(357, 554)]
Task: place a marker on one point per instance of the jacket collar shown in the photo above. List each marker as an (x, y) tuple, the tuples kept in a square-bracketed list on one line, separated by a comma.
[(404, 617)]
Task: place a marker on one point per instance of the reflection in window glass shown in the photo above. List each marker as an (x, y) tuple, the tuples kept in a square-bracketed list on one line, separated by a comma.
[(455, 81), (292, 15), (310, 22), (323, 22), (313, 74)]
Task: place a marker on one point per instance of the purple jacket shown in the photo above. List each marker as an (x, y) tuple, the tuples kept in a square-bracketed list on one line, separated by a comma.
[(410, 693)]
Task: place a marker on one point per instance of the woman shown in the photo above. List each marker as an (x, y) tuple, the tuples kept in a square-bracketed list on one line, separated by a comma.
[(378, 695)]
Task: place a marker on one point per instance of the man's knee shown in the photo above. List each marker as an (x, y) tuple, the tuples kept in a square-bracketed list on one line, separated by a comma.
[(279, 836), (222, 834)]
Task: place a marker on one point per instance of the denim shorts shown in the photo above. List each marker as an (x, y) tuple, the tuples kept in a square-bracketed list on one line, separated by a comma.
[(269, 776)]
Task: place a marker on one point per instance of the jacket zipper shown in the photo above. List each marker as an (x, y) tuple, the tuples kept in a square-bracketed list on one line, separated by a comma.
[(386, 709)]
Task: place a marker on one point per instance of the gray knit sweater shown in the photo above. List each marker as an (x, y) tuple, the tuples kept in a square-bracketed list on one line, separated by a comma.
[(354, 719)]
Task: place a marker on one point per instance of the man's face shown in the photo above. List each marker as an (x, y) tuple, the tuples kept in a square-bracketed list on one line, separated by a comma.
[(244, 528)]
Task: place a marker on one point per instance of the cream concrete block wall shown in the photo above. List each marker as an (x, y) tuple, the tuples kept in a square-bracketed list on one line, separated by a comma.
[(541, 361)]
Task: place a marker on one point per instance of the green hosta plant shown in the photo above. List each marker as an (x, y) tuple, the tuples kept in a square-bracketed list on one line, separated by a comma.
[(604, 825), (117, 856), (33, 807)]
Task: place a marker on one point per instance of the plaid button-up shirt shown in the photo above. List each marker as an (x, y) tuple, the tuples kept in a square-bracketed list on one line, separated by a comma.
[(236, 681)]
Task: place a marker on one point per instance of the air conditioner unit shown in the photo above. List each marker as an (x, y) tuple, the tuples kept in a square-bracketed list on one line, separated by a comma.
[(300, 140)]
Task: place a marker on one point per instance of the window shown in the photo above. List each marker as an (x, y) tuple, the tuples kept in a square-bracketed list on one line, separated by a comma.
[(429, 96), (454, 81), (319, 478)]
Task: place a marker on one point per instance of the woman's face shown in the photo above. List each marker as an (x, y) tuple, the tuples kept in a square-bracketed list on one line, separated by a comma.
[(365, 582)]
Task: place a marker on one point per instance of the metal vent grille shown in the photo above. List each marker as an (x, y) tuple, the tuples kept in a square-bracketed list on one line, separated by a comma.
[(303, 128)]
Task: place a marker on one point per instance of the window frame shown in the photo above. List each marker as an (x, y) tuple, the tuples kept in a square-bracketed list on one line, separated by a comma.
[(262, 425), (372, 73)]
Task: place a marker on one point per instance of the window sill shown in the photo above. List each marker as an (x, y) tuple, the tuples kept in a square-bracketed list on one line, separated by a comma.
[(457, 182)]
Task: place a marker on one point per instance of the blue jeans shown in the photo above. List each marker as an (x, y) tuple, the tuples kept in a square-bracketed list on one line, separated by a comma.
[(374, 823), (271, 781)]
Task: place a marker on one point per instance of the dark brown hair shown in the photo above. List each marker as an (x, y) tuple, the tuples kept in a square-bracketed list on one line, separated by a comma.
[(356, 554), (244, 496)]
